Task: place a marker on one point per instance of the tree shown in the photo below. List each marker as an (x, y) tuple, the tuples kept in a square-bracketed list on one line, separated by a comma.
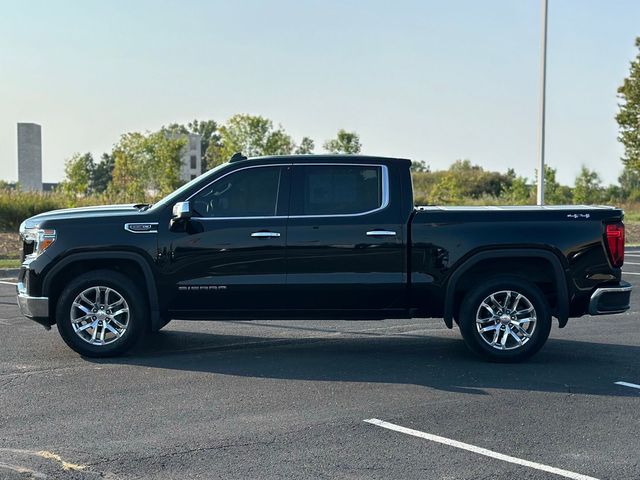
[(588, 187), (554, 193), (306, 146), (345, 142), (78, 172), (129, 174), (419, 166), (519, 192), (628, 116), (278, 143), (462, 182), (252, 135), (630, 184), (612, 194), (475, 182), (146, 163), (448, 190), (102, 174)]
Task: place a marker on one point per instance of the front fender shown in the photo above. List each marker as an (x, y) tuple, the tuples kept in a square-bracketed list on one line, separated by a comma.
[(151, 287)]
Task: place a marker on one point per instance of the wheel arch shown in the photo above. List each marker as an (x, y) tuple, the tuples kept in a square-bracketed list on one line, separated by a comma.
[(129, 262), (557, 276)]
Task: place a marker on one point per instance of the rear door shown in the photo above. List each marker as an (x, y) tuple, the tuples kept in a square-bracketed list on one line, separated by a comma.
[(344, 239)]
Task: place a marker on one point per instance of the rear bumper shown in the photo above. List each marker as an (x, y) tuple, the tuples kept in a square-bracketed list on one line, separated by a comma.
[(35, 308), (610, 299)]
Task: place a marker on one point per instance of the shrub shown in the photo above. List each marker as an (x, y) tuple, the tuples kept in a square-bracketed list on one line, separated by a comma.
[(15, 206)]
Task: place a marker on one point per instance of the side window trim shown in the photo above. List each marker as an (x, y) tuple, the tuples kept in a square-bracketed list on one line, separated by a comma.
[(385, 190), (384, 204)]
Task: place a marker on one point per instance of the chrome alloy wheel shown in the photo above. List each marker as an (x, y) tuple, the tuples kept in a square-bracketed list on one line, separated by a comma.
[(506, 320), (99, 315)]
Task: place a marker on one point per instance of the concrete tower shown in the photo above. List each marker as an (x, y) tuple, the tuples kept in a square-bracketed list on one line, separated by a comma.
[(30, 156), (191, 158)]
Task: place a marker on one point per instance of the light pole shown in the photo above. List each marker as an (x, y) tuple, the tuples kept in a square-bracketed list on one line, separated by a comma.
[(543, 85)]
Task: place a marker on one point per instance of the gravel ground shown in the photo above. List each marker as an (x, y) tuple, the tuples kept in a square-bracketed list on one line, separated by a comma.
[(10, 245)]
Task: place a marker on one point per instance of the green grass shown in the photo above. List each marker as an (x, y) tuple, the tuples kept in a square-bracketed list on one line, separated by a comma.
[(9, 262)]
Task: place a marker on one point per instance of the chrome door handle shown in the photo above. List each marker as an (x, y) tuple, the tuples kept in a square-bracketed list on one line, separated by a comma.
[(265, 234), (381, 233)]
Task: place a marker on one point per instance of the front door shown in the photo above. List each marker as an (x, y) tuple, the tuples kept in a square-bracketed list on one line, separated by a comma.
[(232, 255)]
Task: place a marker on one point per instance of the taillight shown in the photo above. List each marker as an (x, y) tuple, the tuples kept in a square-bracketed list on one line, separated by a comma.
[(615, 242)]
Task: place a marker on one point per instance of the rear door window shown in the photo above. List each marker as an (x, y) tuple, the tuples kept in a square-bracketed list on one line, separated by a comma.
[(336, 189)]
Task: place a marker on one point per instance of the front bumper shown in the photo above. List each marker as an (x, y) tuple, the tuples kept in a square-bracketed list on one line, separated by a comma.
[(610, 299), (35, 308)]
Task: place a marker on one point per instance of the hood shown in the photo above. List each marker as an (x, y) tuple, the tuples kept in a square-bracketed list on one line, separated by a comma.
[(102, 211)]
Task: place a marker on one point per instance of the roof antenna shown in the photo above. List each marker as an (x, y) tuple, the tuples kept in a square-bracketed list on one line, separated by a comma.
[(236, 157)]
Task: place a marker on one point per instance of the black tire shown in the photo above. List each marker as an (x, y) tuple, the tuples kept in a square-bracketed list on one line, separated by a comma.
[(137, 310), (479, 343)]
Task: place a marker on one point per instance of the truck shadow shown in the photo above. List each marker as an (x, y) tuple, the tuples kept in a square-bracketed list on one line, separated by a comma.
[(436, 362)]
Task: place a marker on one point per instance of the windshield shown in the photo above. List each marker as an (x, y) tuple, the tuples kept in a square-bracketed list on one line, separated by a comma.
[(177, 194)]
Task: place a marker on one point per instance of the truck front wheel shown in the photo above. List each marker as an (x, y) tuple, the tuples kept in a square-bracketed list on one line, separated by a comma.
[(506, 319), (101, 314)]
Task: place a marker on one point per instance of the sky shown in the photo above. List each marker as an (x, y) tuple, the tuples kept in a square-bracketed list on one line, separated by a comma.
[(430, 80)]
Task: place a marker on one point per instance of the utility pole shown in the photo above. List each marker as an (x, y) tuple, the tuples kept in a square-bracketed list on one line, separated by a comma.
[(543, 87)]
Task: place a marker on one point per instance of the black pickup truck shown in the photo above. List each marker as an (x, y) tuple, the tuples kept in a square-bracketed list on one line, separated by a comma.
[(319, 237)]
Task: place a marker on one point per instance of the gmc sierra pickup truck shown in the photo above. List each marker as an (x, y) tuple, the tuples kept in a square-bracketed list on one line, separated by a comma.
[(319, 237)]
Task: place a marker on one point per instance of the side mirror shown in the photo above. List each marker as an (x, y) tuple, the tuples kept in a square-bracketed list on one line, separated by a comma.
[(182, 211)]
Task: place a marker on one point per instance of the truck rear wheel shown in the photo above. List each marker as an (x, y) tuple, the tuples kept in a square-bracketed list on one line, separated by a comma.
[(506, 319), (101, 314)]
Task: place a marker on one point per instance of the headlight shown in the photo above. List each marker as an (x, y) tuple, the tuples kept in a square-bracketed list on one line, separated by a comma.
[(40, 238)]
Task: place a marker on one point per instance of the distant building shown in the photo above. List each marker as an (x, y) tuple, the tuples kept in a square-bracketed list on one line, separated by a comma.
[(30, 156), (191, 158), (191, 155)]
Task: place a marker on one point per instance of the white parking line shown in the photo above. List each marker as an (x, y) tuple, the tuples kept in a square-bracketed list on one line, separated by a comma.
[(631, 263), (627, 384), (7, 283), (478, 450), (630, 273)]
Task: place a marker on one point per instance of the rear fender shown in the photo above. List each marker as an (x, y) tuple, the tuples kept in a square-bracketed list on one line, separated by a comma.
[(559, 278)]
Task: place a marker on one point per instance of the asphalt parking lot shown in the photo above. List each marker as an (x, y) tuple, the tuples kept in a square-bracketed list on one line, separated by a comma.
[(290, 399)]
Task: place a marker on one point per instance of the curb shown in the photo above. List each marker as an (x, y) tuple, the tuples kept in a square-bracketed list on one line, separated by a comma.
[(9, 272)]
